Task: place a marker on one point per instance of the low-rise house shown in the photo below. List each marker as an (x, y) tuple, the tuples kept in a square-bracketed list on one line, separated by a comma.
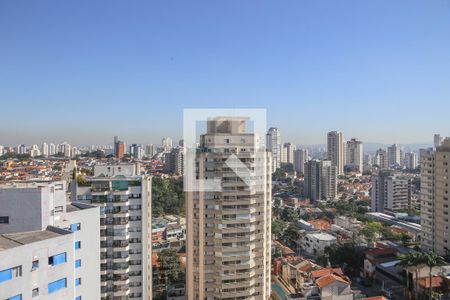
[(316, 243)]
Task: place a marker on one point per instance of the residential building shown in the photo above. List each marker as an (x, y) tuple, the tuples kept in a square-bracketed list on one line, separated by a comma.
[(150, 150), (315, 243), (434, 196), (381, 159), (336, 150), (287, 154), (228, 230), (174, 161), (437, 140), (354, 152), (166, 144), (124, 198), (46, 243), (394, 155), (45, 149), (273, 144), (410, 161), (119, 148), (300, 158), (391, 192), (320, 180)]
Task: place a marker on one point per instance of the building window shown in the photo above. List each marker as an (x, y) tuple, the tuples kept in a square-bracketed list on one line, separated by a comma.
[(34, 265), (77, 245), (57, 285), (4, 220), (57, 259), (78, 298), (77, 263), (9, 274), (75, 227), (35, 292), (17, 297), (77, 281)]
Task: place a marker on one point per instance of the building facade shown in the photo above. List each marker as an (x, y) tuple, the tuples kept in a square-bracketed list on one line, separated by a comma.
[(434, 195), (354, 155), (301, 156), (124, 198), (336, 150), (228, 231), (320, 180), (390, 192), (273, 144)]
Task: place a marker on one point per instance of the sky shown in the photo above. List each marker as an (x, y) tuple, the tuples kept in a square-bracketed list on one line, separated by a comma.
[(84, 71)]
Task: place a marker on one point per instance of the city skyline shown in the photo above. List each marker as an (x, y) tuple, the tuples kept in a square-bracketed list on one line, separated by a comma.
[(375, 71)]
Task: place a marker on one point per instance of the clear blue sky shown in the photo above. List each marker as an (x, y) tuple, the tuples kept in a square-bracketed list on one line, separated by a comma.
[(83, 71)]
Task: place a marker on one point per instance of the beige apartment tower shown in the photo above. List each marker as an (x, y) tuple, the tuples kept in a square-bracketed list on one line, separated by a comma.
[(228, 241), (434, 196), (336, 150)]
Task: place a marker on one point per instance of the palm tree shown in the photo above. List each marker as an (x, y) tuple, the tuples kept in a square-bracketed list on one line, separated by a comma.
[(431, 259), (413, 259), (407, 260)]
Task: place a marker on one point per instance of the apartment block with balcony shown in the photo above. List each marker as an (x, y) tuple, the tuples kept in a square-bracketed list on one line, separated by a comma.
[(124, 198), (228, 242)]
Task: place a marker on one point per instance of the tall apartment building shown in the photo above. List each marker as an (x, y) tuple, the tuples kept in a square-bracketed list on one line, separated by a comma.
[(301, 156), (434, 196), (437, 140), (150, 150), (137, 151), (124, 198), (394, 155), (336, 150), (320, 180), (273, 144), (391, 192), (410, 161), (44, 149), (47, 249), (228, 231), (174, 161), (287, 154), (354, 155), (381, 159)]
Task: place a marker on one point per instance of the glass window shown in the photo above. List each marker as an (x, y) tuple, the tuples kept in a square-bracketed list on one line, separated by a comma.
[(77, 281), (57, 259), (77, 263), (77, 245), (17, 297), (75, 227), (57, 285)]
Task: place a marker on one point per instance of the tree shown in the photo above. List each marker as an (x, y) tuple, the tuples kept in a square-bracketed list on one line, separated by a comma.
[(432, 260), (278, 227), (167, 196), (291, 235), (289, 215), (371, 230), (407, 261), (170, 266)]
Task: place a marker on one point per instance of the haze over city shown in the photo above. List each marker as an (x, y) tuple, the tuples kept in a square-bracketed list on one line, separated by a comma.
[(83, 72)]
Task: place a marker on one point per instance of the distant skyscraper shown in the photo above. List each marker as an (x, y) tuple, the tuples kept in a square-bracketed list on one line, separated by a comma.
[(273, 144), (355, 155), (394, 155), (410, 161), (174, 161), (381, 159), (21, 149), (228, 231), (150, 150), (34, 151), (137, 151), (391, 192), (300, 158), (434, 198), (166, 144), (44, 149), (119, 148), (287, 155), (2, 149), (320, 180), (336, 150), (51, 149), (437, 140)]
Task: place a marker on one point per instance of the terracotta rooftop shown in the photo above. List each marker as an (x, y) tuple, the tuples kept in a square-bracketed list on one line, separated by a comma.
[(326, 271), (425, 282), (331, 278)]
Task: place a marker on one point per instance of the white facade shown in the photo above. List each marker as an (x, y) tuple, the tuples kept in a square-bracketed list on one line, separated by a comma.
[(125, 229), (316, 243), (354, 155), (390, 192), (300, 158), (394, 155), (273, 144), (38, 223), (336, 150), (410, 161)]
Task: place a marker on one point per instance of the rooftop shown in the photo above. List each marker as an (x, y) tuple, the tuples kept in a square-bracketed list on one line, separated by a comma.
[(12, 240)]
